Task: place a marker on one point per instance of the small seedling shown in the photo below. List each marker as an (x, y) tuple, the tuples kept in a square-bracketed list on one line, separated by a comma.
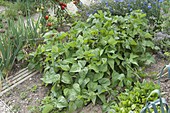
[(23, 95), (34, 88), (33, 109), (16, 108), (8, 94)]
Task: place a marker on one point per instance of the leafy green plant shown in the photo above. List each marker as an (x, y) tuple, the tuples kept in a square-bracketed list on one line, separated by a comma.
[(93, 60), (4, 3), (132, 100), (22, 8), (23, 95), (13, 40), (34, 109), (165, 15), (155, 10), (167, 54), (59, 17), (9, 47), (34, 88), (162, 41)]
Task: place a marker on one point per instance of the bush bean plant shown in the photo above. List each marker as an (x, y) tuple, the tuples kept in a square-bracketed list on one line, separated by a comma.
[(94, 60), (98, 60), (154, 9)]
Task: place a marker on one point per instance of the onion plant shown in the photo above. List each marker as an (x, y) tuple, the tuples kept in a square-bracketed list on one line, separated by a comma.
[(13, 40)]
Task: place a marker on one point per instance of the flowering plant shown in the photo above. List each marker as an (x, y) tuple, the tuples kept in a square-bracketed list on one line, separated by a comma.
[(152, 8)]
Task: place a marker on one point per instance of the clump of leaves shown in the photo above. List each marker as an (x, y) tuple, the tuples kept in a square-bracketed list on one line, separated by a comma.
[(133, 100), (157, 11), (162, 42), (93, 60)]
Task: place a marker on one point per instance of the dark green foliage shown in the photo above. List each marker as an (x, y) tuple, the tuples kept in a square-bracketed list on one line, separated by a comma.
[(93, 59)]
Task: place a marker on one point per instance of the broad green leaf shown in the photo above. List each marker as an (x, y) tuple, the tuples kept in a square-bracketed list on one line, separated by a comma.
[(54, 49), (84, 82), (62, 35), (66, 78), (132, 41), (100, 89), (50, 78), (121, 77), (83, 72), (80, 39), (148, 43), (113, 56), (66, 91), (112, 41), (47, 108), (101, 52), (105, 82), (72, 107), (92, 86), (76, 87), (94, 67), (148, 35), (120, 56), (61, 102), (98, 76), (79, 103), (75, 68), (55, 90), (80, 81), (81, 63), (103, 68), (93, 99), (68, 61), (102, 98), (132, 59), (72, 95), (72, 44), (104, 60), (149, 59), (65, 67), (111, 63)]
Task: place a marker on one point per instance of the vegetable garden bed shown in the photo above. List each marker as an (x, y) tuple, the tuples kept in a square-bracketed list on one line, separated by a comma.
[(101, 58)]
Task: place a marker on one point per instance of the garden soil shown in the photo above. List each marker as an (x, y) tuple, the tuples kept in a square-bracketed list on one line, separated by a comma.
[(154, 70), (27, 96)]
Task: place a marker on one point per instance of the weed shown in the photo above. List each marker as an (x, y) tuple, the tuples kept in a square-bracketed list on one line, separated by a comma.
[(33, 109), (23, 95), (34, 88), (16, 108)]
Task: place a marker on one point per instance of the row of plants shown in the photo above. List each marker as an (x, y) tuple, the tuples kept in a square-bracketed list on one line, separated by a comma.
[(19, 7), (15, 44), (156, 10), (94, 61)]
